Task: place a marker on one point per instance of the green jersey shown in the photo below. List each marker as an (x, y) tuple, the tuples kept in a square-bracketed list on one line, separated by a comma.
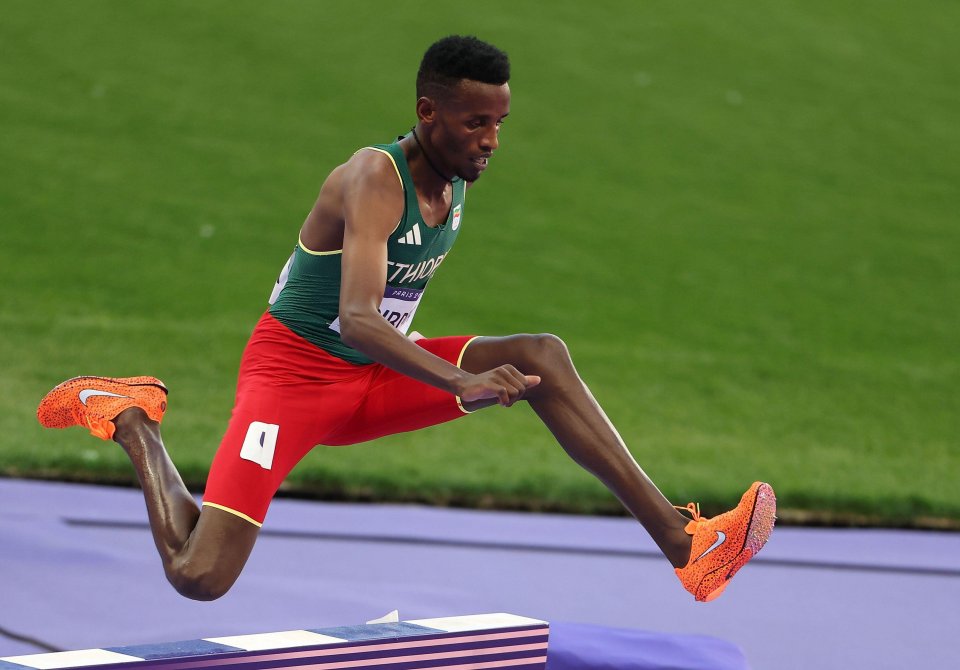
[(306, 297)]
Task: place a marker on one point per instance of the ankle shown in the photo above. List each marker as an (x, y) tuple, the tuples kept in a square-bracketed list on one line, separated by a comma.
[(129, 422), (678, 549)]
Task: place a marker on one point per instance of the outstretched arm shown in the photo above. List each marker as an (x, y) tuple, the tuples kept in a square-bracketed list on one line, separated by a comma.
[(372, 204)]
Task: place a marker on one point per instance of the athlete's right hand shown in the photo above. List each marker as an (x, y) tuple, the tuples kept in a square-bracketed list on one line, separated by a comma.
[(505, 384)]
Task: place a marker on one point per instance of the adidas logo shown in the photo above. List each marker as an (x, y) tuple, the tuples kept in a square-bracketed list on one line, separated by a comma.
[(412, 236)]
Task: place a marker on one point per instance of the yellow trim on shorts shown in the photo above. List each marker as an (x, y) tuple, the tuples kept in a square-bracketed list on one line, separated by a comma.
[(459, 360), (317, 253), (234, 512)]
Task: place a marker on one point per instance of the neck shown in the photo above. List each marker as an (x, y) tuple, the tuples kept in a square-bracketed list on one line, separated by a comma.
[(434, 170)]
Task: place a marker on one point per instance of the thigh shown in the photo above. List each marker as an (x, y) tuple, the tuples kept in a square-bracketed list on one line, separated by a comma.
[(270, 431), (530, 354), (290, 395), (542, 354), (218, 549), (394, 403)]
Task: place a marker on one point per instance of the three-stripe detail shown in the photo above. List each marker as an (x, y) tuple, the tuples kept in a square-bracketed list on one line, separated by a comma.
[(412, 236)]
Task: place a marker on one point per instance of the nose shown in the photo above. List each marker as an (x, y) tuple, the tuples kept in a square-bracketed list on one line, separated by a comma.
[(490, 139)]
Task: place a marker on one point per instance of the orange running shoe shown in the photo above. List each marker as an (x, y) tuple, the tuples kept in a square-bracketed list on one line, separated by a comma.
[(722, 545), (94, 402)]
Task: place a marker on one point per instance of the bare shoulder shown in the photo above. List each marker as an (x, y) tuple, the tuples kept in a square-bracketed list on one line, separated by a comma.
[(362, 193), (371, 189), (371, 169)]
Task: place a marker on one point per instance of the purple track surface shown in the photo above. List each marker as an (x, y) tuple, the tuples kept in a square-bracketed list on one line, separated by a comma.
[(78, 570)]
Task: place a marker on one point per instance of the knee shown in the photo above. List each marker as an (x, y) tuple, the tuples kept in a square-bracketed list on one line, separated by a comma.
[(545, 351), (197, 583)]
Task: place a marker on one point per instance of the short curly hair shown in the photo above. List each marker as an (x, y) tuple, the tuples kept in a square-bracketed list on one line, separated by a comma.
[(457, 57)]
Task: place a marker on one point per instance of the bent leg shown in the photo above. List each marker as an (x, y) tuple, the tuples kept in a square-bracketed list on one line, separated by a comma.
[(204, 552), (568, 409)]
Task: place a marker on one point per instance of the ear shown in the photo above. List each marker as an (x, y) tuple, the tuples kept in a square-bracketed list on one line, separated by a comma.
[(426, 110)]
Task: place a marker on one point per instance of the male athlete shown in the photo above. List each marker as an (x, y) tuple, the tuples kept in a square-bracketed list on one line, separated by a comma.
[(330, 363)]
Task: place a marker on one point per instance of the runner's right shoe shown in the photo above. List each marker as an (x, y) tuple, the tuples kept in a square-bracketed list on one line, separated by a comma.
[(94, 402), (723, 544)]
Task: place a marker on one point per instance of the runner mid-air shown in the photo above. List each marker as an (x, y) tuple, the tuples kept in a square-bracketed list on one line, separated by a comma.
[(330, 362)]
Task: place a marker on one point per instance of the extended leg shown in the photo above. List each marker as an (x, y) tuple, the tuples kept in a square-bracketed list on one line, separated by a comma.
[(566, 406)]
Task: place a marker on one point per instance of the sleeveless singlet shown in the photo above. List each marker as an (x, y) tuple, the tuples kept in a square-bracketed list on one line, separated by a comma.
[(306, 297)]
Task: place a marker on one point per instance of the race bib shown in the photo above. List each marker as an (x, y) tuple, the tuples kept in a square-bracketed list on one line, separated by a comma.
[(397, 307), (281, 280)]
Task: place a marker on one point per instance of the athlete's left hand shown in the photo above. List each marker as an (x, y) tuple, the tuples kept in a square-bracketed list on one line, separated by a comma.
[(505, 384)]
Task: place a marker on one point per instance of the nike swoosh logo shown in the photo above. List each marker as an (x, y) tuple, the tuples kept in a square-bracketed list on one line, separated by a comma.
[(86, 394), (721, 538)]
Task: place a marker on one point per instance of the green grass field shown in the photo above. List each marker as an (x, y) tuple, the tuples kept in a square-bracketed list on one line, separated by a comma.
[(742, 218)]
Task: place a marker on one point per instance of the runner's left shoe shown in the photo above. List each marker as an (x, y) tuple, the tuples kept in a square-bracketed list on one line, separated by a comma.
[(723, 544), (94, 402)]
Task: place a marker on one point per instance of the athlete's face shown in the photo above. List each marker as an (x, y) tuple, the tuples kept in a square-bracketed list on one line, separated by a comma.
[(467, 126)]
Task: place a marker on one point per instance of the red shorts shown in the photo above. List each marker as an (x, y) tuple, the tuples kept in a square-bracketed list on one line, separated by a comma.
[(292, 395)]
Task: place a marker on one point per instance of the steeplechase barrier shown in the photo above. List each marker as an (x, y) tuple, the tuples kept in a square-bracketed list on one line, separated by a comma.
[(474, 642)]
